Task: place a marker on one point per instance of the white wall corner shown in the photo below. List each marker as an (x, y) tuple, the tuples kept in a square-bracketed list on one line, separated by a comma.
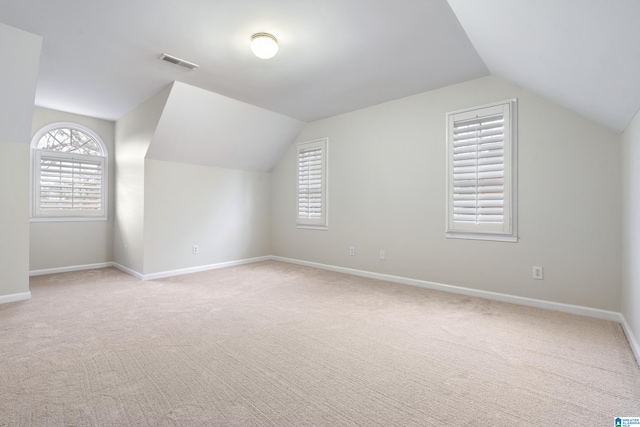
[(128, 271)]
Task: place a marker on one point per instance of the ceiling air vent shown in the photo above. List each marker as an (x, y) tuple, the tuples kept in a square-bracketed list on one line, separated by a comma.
[(178, 61)]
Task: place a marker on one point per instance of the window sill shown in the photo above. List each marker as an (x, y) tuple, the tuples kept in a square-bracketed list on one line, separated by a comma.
[(68, 219), (312, 227), (478, 236)]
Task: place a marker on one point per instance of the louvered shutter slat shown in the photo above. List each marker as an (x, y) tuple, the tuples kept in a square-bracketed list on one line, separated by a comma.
[(310, 183), (69, 185), (311, 209), (478, 170), (481, 172)]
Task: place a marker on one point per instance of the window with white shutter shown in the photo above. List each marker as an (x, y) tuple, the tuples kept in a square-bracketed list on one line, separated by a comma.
[(481, 172), (312, 184), (69, 174)]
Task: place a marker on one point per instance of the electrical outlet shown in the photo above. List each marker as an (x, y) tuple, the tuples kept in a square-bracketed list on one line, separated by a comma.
[(126, 250), (352, 250), (538, 273), (196, 249), (383, 255)]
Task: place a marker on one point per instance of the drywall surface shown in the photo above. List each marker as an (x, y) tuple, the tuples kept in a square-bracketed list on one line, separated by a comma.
[(20, 53), (631, 225), (14, 218), (224, 212), (205, 128), (579, 59), (387, 191), (57, 244), (133, 134)]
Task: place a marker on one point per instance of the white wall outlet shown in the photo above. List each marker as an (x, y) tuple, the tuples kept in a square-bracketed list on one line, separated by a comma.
[(126, 250), (383, 255), (352, 250), (538, 273), (196, 249)]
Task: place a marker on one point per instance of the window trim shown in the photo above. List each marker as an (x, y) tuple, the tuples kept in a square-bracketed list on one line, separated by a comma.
[(321, 223), (510, 167), (35, 156)]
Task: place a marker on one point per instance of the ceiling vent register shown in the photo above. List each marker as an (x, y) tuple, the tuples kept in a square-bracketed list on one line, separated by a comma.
[(178, 61)]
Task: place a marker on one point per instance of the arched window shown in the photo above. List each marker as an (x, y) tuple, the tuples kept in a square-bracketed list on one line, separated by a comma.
[(69, 173)]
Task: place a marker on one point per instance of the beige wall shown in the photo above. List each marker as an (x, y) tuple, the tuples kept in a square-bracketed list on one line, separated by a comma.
[(59, 244), (223, 211), (163, 208), (14, 218), (387, 191), (133, 136), (20, 53), (631, 226)]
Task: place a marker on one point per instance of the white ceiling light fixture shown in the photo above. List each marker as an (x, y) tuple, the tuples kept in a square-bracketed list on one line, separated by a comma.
[(264, 45)]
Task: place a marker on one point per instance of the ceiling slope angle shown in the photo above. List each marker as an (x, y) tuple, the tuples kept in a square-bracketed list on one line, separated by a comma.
[(204, 128), (581, 54), (335, 56)]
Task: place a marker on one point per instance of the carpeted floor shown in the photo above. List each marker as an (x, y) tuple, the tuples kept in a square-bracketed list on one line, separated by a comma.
[(275, 344)]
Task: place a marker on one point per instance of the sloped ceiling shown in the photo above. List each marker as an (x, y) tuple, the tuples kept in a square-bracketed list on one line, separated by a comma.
[(202, 127), (582, 54), (99, 58)]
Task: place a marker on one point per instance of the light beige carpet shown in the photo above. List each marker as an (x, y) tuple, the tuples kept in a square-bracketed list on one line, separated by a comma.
[(276, 344)]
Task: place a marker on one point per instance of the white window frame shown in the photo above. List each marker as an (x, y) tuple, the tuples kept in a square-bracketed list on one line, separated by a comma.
[(39, 215), (321, 222), (507, 230)]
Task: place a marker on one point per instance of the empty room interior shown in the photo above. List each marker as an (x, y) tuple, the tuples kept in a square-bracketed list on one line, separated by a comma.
[(413, 212)]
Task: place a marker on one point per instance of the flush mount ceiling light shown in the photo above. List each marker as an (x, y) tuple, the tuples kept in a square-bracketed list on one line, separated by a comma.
[(264, 45)]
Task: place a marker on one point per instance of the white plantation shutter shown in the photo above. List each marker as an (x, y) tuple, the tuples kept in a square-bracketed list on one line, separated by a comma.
[(312, 183), (480, 173), (67, 185), (478, 170), (69, 174)]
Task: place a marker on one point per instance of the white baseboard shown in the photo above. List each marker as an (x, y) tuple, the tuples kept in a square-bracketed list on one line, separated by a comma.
[(71, 268), (152, 276), (164, 274), (633, 342), (531, 302), (567, 308), (15, 297), (179, 272), (128, 270)]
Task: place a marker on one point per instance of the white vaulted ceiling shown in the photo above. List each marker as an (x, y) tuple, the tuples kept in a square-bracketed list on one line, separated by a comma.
[(99, 58), (582, 54), (204, 128)]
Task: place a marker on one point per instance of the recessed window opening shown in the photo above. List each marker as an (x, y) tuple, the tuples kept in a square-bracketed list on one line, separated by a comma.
[(481, 173), (69, 174), (312, 184)]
